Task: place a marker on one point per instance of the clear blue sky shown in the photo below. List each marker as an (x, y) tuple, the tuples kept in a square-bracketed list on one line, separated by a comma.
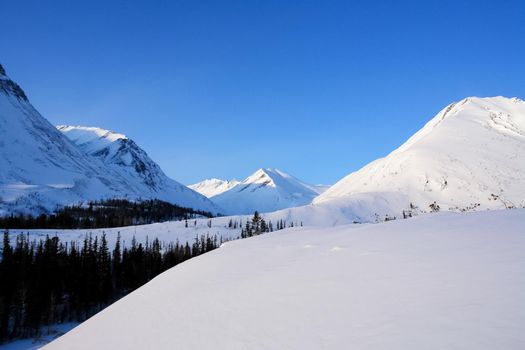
[(221, 88)]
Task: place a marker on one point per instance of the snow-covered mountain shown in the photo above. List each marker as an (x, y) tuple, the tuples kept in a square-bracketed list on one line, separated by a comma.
[(471, 155), (433, 282), (125, 157), (266, 190), (42, 168), (213, 187)]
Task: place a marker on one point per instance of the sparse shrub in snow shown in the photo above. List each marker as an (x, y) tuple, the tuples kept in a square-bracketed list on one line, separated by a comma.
[(434, 207)]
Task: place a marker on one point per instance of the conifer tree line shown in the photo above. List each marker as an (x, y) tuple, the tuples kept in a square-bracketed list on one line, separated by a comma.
[(48, 282), (257, 225), (104, 214)]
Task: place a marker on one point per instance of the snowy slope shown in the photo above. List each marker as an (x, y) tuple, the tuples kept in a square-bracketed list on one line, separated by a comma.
[(433, 282), (125, 157), (42, 168), (470, 156), (266, 190), (213, 187)]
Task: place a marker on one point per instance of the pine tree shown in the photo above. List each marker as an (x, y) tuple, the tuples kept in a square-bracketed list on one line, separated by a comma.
[(104, 271), (117, 264), (6, 287), (264, 227)]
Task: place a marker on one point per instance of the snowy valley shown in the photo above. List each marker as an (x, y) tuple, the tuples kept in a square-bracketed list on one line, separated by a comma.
[(262, 175), (324, 266)]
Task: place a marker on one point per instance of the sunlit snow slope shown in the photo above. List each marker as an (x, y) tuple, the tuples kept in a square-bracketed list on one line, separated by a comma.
[(266, 190), (437, 281), (213, 187), (470, 156)]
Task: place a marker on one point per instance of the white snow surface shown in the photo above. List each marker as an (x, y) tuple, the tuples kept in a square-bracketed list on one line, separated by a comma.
[(436, 281), (212, 187), (90, 136), (266, 190), (43, 169), (471, 156)]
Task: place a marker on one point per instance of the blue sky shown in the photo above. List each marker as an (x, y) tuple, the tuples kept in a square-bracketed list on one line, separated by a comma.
[(221, 88)]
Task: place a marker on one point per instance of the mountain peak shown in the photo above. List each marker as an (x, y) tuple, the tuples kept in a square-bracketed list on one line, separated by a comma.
[(269, 176), (263, 176), (501, 114), (470, 155), (267, 189), (2, 70)]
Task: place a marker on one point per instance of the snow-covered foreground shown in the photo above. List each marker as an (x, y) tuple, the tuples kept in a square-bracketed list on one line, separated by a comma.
[(437, 281)]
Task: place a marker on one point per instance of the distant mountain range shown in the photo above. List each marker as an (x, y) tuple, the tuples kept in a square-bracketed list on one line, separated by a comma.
[(470, 156)]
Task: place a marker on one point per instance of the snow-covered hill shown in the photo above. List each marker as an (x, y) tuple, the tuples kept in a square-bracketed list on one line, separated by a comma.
[(125, 157), (42, 168), (470, 156), (213, 187), (266, 190), (433, 282)]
